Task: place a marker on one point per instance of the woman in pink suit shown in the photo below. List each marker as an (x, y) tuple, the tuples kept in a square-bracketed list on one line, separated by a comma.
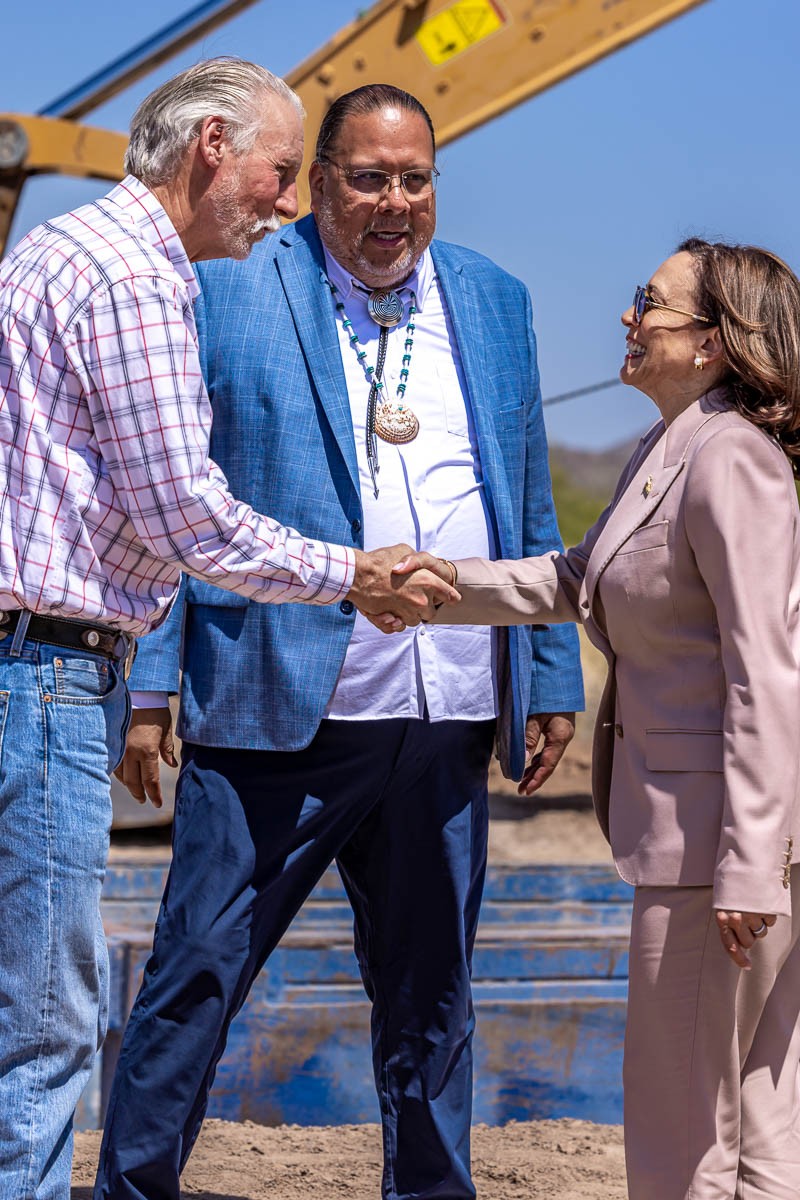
[(689, 583)]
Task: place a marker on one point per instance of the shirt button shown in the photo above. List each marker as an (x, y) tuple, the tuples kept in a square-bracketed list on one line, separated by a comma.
[(356, 527), (347, 607), (618, 730)]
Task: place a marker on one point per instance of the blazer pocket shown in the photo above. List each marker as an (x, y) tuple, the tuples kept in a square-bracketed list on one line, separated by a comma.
[(683, 750), (511, 412), (646, 537), (200, 592), (509, 427)]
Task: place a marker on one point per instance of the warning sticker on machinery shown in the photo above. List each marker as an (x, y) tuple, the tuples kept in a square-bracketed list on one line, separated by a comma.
[(457, 28)]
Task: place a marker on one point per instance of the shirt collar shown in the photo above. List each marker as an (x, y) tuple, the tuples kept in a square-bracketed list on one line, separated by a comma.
[(419, 281), (154, 226)]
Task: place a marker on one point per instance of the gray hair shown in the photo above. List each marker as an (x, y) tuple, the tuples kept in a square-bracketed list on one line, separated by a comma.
[(169, 119)]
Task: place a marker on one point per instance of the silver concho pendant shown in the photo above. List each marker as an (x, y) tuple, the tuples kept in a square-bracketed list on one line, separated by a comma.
[(385, 307), (396, 423)]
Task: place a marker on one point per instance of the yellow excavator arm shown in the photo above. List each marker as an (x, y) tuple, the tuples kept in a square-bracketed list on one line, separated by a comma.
[(45, 146), (466, 60)]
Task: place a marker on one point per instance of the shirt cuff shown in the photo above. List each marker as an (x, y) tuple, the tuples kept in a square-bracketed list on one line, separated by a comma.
[(149, 699), (333, 574)]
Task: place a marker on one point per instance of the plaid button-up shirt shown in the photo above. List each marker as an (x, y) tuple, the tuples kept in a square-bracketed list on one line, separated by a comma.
[(106, 488)]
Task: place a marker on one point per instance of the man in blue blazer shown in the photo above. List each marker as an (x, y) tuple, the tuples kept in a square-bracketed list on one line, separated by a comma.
[(369, 385)]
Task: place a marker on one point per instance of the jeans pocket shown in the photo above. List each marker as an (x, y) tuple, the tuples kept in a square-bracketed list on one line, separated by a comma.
[(93, 690), (82, 679)]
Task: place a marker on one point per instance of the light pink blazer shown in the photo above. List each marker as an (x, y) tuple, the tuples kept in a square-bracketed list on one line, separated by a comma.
[(689, 585)]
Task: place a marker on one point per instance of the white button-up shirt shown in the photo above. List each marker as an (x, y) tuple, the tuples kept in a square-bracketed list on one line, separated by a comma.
[(431, 496)]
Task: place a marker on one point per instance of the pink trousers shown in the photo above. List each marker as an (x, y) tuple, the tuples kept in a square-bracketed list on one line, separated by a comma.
[(712, 1055)]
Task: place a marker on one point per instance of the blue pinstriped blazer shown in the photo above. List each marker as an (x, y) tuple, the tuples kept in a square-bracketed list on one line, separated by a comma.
[(260, 675)]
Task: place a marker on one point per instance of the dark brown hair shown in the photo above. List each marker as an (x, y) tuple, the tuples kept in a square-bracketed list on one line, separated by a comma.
[(754, 298), (372, 97)]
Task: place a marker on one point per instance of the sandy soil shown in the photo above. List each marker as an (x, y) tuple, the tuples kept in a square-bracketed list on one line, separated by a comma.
[(566, 1160)]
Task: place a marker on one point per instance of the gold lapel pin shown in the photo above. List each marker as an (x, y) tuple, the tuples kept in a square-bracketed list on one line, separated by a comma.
[(648, 487)]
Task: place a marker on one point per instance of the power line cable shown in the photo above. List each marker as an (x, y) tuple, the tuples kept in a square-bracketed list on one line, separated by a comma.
[(584, 391)]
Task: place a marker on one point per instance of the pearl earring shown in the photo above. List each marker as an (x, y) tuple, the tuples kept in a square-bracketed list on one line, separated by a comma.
[(698, 363)]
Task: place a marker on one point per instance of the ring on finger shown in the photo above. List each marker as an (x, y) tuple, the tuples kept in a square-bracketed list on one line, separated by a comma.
[(761, 931)]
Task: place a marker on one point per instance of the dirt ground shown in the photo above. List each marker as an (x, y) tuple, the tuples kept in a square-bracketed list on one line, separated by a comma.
[(559, 1160), (562, 1160)]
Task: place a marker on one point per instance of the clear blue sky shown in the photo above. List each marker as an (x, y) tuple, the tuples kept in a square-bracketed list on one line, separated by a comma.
[(581, 192)]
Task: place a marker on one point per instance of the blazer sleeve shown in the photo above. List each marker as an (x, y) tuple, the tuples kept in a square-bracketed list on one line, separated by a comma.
[(158, 654), (544, 588), (556, 678), (742, 524), (520, 591)]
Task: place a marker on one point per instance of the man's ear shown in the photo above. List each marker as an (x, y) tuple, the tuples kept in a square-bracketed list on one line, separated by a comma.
[(212, 142), (316, 184)]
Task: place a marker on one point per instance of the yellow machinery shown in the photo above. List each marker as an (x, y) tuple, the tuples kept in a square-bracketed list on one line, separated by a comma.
[(466, 60)]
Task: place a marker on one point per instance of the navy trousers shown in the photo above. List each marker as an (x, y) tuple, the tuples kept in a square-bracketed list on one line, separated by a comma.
[(402, 807)]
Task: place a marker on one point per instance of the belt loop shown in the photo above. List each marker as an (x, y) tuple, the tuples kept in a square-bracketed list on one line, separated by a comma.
[(20, 632)]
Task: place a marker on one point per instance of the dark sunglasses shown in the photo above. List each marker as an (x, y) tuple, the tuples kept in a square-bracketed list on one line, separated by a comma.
[(642, 301)]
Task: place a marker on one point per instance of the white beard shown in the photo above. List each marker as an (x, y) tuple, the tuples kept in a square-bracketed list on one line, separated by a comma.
[(238, 231)]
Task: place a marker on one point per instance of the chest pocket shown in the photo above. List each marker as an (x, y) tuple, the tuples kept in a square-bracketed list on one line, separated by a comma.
[(647, 537)]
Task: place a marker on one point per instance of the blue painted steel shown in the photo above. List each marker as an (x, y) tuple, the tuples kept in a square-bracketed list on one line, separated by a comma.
[(550, 981), (594, 883), (129, 67)]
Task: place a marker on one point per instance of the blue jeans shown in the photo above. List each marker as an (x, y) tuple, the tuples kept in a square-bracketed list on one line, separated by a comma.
[(63, 718)]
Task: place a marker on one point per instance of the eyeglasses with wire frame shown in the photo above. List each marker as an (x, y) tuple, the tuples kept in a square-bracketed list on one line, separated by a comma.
[(416, 182), (642, 301)]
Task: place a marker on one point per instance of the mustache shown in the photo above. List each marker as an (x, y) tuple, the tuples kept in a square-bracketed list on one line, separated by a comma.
[(270, 224)]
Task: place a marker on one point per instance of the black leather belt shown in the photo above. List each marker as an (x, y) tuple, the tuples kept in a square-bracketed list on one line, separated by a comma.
[(73, 635)]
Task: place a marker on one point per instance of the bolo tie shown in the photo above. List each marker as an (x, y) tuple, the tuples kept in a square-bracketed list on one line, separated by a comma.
[(390, 420)]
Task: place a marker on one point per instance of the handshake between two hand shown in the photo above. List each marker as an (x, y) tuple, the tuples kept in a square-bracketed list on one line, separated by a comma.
[(397, 586)]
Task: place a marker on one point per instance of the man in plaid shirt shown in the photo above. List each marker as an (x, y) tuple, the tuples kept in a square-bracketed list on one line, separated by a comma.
[(106, 494)]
